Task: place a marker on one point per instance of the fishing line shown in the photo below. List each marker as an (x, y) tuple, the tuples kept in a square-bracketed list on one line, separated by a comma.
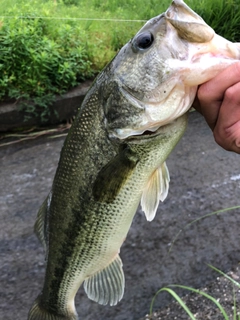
[(76, 19)]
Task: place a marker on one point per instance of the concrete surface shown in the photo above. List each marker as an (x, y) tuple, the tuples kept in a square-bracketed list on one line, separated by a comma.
[(204, 179)]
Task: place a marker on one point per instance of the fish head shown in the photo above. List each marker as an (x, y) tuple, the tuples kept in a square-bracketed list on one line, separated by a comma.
[(154, 78)]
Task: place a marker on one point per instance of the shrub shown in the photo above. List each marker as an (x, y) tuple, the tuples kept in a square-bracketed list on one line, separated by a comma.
[(41, 57), (34, 66)]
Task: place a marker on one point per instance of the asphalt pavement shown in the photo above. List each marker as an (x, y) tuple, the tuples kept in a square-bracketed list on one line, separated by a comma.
[(170, 249)]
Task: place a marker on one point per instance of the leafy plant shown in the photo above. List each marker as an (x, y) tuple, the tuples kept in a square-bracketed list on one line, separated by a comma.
[(71, 2), (35, 67), (202, 293), (46, 47)]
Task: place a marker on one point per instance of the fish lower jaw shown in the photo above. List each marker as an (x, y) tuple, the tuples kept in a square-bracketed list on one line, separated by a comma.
[(131, 134), (141, 134), (149, 134), (148, 131)]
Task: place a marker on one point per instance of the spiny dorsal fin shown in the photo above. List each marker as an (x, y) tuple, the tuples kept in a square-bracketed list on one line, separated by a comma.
[(113, 176), (156, 190), (107, 285)]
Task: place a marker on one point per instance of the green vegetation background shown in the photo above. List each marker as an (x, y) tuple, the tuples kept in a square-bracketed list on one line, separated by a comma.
[(50, 46)]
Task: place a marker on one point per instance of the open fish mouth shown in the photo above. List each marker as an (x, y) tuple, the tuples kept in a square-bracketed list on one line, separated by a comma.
[(142, 134), (154, 114), (145, 135), (149, 134), (151, 129)]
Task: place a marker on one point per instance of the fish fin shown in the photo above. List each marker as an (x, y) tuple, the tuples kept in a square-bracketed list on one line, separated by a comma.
[(37, 312), (112, 177), (41, 223), (107, 285), (156, 190)]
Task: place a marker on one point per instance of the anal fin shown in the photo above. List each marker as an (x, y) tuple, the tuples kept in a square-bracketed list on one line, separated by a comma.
[(107, 285), (155, 190)]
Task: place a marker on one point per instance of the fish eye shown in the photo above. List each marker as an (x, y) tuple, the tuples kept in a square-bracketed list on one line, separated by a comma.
[(143, 41)]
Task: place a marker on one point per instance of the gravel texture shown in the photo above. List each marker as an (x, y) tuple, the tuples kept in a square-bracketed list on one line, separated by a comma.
[(222, 289)]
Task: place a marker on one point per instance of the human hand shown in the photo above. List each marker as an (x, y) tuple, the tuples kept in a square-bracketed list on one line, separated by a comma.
[(218, 100)]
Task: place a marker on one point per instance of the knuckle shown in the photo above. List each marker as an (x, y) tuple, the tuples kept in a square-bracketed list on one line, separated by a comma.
[(230, 94), (227, 139), (223, 139)]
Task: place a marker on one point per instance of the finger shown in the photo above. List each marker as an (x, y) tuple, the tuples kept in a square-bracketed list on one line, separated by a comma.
[(227, 128), (210, 95), (208, 107), (196, 104), (225, 79)]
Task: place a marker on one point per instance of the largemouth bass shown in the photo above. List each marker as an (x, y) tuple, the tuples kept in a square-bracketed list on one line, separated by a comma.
[(114, 156)]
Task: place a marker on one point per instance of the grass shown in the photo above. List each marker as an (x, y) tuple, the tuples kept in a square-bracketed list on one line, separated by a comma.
[(48, 47), (104, 38), (235, 315), (169, 289)]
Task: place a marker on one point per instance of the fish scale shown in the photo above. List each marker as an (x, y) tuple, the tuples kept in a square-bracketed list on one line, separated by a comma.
[(114, 156)]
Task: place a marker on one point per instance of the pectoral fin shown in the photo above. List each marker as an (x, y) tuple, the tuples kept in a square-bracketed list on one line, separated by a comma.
[(156, 190), (107, 285), (113, 176)]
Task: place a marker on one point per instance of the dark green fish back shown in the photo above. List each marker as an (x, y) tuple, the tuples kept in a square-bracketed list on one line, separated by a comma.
[(85, 152)]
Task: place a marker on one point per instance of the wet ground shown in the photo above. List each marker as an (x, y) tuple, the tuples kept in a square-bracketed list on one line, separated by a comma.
[(204, 179)]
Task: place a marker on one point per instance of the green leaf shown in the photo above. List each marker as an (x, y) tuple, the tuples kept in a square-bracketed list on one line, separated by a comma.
[(206, 296), (177, 298)]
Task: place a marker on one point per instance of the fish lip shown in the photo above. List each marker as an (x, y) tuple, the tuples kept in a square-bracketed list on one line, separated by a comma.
[(147, 134), (144, 136), (163, 131)]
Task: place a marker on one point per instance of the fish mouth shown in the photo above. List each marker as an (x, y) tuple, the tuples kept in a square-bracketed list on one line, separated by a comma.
[(148, 134), (154, 116), (164, 131)]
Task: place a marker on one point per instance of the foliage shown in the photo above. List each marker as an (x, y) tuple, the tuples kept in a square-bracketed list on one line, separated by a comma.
[(71, 2), (32, 65), (46, 47), (202, 293), (222, 15)]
